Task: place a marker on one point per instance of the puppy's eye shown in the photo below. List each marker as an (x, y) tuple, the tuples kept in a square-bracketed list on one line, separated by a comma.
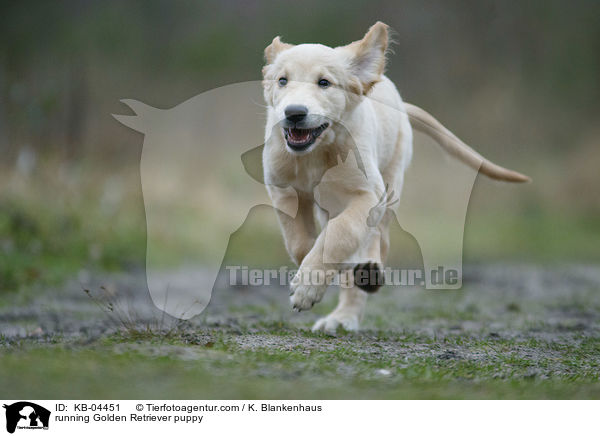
[(282, 81), (324, 83)]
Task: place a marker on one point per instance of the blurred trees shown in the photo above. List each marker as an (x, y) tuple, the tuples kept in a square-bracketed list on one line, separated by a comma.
[(64, 65)]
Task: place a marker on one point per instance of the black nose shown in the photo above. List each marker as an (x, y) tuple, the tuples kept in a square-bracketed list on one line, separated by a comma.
[(296, 112)]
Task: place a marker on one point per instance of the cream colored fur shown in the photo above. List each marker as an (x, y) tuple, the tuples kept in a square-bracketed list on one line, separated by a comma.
[(369, 122)]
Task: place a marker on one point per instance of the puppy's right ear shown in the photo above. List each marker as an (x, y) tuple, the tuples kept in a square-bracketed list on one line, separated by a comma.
[(275, 48)]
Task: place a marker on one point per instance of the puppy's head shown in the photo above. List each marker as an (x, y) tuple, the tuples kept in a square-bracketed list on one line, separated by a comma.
[(311, 87)]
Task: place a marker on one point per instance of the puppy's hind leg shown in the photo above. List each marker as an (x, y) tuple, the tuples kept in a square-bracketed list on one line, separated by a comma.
[(348, 313)]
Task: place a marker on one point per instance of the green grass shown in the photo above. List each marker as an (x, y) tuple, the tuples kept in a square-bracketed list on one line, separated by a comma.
[(46, 245), (186, 365), (539, 236)]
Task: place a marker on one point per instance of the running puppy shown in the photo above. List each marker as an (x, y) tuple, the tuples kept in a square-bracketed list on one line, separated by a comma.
[(328, 102)]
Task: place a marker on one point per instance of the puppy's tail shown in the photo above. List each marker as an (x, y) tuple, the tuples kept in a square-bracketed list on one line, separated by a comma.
[(426, 123)]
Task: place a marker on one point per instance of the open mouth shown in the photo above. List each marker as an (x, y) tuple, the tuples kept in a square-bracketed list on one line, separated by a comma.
[(301, 139)]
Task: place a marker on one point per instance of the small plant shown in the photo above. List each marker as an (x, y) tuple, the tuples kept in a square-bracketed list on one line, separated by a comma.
[(131, 324)]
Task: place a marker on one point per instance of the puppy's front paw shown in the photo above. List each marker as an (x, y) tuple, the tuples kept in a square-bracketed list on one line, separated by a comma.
[(304, 297), (330, 323)]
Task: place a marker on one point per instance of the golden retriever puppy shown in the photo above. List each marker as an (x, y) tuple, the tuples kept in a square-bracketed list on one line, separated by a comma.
[(323, 103)]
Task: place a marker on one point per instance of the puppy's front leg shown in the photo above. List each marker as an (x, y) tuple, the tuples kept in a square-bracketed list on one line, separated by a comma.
[(295, 215), (344, 235)]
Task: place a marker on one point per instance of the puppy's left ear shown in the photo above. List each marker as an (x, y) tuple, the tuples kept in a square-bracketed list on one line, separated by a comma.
[(367, 56)]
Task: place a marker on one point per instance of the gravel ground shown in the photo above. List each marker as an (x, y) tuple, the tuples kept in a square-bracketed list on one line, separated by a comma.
[(527, 305)]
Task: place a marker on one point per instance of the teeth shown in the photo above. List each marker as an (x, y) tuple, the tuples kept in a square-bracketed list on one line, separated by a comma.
[(302, 136)]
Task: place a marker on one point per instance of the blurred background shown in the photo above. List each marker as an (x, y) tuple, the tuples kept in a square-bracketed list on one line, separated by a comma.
[(517, 80)]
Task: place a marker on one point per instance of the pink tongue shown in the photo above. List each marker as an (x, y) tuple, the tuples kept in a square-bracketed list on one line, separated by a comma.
[(299, 135)]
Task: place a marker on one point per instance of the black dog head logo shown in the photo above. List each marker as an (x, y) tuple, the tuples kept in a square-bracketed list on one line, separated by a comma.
[(26, 414)]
